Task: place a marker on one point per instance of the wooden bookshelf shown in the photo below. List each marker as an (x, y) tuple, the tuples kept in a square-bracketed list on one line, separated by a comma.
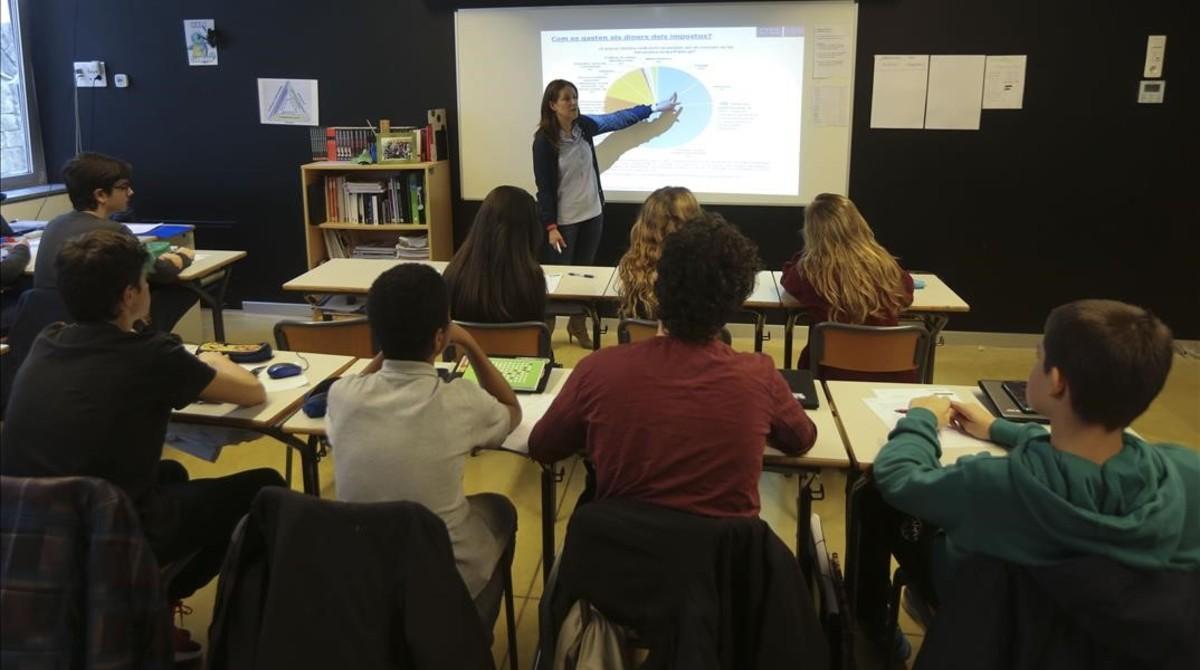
[(435, 181)]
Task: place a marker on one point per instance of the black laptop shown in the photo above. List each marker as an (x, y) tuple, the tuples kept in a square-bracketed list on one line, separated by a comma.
[(803, 387), (1009, 402)]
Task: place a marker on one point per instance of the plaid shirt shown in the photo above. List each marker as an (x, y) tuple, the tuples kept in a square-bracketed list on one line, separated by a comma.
[(78, 581)]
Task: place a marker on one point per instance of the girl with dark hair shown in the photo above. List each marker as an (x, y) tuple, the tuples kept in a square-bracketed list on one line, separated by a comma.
[(569, 196), (495, 277)]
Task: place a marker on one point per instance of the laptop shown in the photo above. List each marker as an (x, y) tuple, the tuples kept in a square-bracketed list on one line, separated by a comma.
[(803, 387), (1008, 400)]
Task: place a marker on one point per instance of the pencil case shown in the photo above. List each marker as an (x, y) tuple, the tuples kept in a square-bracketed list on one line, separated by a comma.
[(239, 353)]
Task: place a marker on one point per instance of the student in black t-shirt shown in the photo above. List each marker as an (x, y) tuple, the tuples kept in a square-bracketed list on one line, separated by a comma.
[(93, 399)]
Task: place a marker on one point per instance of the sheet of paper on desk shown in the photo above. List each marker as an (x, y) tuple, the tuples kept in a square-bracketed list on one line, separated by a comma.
[(141, 228), (273, 385), (552, 280), (533, 407), (887, 404)]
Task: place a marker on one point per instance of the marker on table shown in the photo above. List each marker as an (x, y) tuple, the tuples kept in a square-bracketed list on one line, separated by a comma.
[(581, 274)]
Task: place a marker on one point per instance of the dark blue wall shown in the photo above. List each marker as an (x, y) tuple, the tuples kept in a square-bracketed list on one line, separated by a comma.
[(1082, 193)]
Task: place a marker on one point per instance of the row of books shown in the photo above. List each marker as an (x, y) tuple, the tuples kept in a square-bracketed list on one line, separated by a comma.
[(346, 143), (397, 199), (339, 244)]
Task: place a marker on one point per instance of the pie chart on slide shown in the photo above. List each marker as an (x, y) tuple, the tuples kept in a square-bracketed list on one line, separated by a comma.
[(648, 85)]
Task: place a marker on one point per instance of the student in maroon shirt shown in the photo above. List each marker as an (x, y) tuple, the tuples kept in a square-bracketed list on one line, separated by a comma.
[(843, 274), (680, 420)]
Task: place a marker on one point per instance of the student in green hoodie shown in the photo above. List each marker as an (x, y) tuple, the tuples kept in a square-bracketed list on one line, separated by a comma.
[(1088, 489)]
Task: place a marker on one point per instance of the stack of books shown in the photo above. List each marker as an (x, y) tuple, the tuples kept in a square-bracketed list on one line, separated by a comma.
[(413, 247), (373, 251)]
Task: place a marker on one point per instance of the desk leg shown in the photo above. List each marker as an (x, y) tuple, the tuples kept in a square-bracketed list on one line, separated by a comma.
[(215, 303), (760, 323), (934, 323), (308, 457), (549, 513), (595, 314), (804, 498), (789, 329)]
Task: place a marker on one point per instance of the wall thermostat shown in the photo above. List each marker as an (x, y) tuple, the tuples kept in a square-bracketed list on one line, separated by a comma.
[(1151, 92)]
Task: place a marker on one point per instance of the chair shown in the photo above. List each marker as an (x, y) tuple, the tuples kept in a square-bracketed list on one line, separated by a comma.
[(378, 579), (869, 353), (636, 330), (80, 582), (520, 338), (347, 337)]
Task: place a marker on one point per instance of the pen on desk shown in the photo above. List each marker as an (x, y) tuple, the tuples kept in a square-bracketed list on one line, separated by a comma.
[(581, 274)]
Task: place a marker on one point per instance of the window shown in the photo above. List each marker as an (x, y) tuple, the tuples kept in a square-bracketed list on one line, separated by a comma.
[(21, 161)]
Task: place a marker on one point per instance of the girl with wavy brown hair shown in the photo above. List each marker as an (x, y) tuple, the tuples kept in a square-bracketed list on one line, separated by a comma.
[(662, 214)]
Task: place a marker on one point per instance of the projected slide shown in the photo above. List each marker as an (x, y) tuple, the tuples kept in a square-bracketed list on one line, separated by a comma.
[(645, 86), (739, 90)]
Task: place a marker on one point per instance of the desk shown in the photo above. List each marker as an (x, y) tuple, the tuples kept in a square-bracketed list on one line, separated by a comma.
[(932, 305), (866, 434), (268, 417), (583, 284), (352, 276), (211, 268)]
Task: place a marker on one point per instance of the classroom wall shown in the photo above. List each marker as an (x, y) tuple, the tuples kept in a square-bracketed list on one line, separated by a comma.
[(1083, 193)]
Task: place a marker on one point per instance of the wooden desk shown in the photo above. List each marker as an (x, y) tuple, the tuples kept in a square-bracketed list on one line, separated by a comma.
[(211, 269), (268, 417), (584, 285), (932, 305), (352, 276), (866, 433)]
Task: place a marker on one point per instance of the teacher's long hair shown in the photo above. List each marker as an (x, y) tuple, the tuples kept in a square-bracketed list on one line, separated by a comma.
[(846, 266), (548, 127), (495, 276)]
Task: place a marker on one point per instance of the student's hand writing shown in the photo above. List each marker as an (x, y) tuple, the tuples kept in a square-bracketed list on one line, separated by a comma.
[(938, 405), (557, 241), (173, 259), (972, 419)]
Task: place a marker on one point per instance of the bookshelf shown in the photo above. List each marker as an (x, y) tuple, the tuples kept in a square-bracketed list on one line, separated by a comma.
[(433, 178)]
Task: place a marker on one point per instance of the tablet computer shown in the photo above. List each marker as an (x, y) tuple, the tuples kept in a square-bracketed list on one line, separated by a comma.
[(524, 374)]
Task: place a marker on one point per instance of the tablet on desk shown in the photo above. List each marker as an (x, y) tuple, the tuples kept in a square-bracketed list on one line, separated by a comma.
[(804, 389), (1008, 401), (523, 374)]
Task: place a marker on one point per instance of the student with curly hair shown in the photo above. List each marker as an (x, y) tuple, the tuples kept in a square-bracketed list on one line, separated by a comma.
[(495, 277), (681, 420), (662, 214), (843, 274)]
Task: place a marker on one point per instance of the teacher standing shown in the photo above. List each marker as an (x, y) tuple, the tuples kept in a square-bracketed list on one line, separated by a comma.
[(570, 200)]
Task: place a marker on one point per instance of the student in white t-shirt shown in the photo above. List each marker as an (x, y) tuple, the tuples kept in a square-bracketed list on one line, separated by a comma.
[(402, 433)]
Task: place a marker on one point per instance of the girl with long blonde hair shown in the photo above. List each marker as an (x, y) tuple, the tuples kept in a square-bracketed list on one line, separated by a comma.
[(843, 274), (662, 214)]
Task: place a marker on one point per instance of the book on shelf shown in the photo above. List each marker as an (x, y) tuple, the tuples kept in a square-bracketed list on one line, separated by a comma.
[(346, 143), (396, 199)]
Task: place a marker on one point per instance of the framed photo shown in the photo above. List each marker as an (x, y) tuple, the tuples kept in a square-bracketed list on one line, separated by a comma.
[(399, 147)]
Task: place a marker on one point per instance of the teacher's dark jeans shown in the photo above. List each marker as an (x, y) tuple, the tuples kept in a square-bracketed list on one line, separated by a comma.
[(583, 239)]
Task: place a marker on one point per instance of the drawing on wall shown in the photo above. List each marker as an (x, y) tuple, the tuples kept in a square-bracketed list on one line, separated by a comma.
[(288, 102), (195, 38)]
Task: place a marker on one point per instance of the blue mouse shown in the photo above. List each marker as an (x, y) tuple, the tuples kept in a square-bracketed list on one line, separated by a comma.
[(281, 370)]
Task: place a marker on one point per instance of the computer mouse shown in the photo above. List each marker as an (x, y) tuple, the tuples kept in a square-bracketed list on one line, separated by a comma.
[(281, 370)]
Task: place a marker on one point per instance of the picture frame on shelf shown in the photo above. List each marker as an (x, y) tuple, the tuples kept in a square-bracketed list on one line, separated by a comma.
[(399, 147)]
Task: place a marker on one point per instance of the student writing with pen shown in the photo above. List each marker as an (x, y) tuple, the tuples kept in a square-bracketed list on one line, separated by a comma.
[(569, 195)]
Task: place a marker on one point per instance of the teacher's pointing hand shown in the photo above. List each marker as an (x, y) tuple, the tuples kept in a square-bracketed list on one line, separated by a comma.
[(669, 105)]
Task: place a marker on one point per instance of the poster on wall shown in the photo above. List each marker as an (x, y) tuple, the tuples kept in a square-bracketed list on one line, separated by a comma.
[(287, 102), (195, 38)]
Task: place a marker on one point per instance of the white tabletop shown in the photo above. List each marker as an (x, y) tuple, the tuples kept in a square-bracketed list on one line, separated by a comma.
[(866, 433), (936, 296), (765, 294), (279, 405), (828, 451), (208, 261), (580, 282), (349, 275)]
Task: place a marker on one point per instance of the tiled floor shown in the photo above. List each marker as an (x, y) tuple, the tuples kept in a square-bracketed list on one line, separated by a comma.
[(1175, 417)]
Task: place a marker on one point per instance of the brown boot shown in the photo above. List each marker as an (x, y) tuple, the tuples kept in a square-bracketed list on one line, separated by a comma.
[(577, 329)]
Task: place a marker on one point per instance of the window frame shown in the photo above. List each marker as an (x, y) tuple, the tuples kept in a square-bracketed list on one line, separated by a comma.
[(37, 176)]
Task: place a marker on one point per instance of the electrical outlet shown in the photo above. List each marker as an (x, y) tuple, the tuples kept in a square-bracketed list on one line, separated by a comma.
[(120, 80), (90, 74)]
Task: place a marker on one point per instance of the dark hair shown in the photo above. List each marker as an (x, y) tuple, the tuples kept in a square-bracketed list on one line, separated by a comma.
[(548, 126), (495, 276), (89, 171), (406, 306), (94, 270), (1114, 356), (705, 273)]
